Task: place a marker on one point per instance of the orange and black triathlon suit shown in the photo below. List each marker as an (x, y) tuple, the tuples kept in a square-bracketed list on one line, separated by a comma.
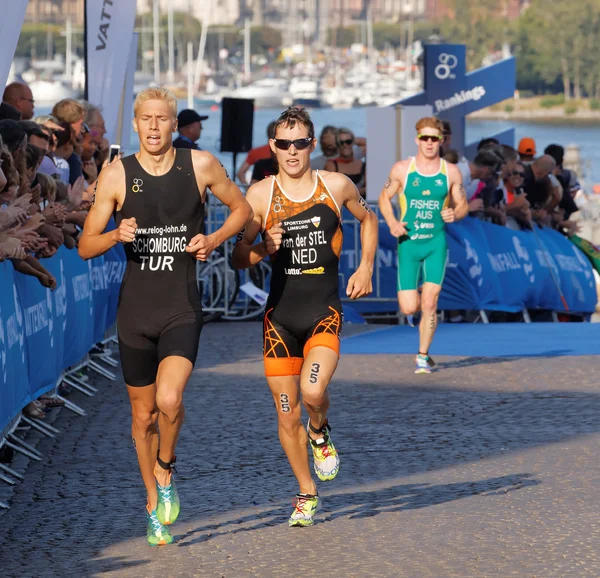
[(304, 308)]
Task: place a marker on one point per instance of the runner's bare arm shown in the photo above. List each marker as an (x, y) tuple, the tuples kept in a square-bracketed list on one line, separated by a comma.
[(94, 241), (246, 252), (211, 173), (457, 193), (360, 283), (392, 187)]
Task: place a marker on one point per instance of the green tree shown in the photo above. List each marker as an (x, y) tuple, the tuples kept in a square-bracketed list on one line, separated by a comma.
[(35, 37)]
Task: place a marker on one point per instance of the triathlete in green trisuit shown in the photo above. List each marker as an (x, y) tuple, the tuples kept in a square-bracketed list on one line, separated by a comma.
[(430, 193)]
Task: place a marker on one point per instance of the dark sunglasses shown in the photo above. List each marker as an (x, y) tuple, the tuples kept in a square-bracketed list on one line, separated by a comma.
[(348, 141), (429, 137), (518, 174), (299, 143)]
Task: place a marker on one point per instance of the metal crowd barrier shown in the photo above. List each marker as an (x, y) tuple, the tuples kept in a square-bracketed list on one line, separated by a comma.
[(71, 377)]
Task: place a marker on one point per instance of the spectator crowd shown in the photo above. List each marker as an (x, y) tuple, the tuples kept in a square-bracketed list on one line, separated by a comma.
[(48, 168), (517, 187)]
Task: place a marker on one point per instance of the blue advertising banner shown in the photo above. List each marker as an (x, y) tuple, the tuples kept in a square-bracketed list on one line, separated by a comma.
[(38, 318), (115, 264), (469, 275), (99, 281), (13, 358), (56, 266), (42, 332), (79, 332), (454, 94), (489, 267)]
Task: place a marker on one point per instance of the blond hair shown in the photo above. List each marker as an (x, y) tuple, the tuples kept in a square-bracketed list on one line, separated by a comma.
[(430, 122), (48, 186), (69, 110), (155, 93)]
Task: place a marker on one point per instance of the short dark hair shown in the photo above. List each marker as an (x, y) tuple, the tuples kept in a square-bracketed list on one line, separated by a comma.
[(509, 153), (63, 137), (447, 127), (271, 129), (328, 129), (487, 158), (489, 142), (556, 152), (34, 129), (292, 116), (12, 134), (451, 156)]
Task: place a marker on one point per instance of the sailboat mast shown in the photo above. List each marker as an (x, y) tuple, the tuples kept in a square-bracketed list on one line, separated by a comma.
[(155, 24), (171, 44)]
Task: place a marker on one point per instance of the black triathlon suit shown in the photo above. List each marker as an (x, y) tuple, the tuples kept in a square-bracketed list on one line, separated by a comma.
[(304, 308), (160, 308)]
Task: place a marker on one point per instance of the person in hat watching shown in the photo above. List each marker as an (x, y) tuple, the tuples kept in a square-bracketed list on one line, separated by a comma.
[(527, 150), (189, 124)]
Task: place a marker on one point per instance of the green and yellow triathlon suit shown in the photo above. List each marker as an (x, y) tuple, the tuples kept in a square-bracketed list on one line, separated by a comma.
[(423, 249)]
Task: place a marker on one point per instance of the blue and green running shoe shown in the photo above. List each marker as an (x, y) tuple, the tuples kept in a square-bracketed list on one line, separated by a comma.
[(168, 499), (157, 534)]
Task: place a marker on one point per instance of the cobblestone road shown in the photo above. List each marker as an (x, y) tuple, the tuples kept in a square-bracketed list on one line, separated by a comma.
[(485, 468)]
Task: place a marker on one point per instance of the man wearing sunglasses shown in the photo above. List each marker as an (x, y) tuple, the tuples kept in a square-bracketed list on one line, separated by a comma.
[(430, 193), (298, 214)]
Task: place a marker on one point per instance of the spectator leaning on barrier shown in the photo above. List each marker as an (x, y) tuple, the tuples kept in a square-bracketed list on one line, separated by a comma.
[(567, 179), (49, 125), (481, 170), (36, 135), (88, 149), (95, 122), (65, 146), (72, 112), (345, 163), (539, 189), (330, 150), (518, 209)]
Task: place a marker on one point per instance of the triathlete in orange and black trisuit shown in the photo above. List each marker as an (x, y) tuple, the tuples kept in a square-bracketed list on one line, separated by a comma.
[(160, 309), (304, 308)]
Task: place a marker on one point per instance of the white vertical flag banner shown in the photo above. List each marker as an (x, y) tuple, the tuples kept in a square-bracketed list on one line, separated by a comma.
[(13, 15), (127, 111), (109, 26)]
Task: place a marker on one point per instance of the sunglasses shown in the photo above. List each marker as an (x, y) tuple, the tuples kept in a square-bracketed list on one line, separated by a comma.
[(429, 137), (299, 143), (348, 141), (518, 174)]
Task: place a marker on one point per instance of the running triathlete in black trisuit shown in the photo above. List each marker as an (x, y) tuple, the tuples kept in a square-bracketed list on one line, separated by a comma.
[(157, 197), (160, 310)]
